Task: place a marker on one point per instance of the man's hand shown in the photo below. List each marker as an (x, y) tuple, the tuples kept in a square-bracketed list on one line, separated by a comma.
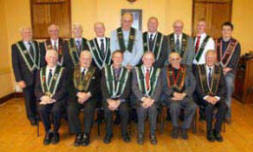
[(22, 84), (226, 70), (178, 96), (147, 102), (46, 100), (113, 104), (129, 67), (83, 97)]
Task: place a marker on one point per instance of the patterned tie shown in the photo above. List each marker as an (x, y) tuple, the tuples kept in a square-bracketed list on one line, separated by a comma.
[(210, 77), (49, 77), (150, 42), (31, 49), (147, 77), (55, 46), (177, 44), (197, 44), (78, 44), (102, 47), (83, 74)]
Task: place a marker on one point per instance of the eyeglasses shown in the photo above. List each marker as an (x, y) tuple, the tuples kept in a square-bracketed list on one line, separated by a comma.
[(175, 59)]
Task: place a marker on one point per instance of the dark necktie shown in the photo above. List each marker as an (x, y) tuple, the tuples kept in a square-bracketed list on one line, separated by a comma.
[(31, 49), (49, 77), (177, 44), (210, 77), (78, 44), (147, 77), (150, 42), (83, 74), (102, 47), (197, 44)]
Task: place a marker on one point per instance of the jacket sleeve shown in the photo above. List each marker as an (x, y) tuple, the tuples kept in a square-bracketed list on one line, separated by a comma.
[(16, 63)]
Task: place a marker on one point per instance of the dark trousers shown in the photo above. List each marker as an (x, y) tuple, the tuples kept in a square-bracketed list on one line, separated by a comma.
[(73, 116), (51, 113), (152, 116), (189, 108), (124, 115), (30, 102), (209, 112)]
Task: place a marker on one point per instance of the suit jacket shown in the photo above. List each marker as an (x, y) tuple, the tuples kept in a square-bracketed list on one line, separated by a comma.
[(61, 44), (21, 71), (221, 92), (139, 94), (125, 94), (94, 87), (189, 56), (164, 52), (67, 58), (189, 84), (60, 93)]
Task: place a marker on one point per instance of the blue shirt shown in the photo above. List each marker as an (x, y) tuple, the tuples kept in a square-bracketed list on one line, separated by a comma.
[(131, 58)]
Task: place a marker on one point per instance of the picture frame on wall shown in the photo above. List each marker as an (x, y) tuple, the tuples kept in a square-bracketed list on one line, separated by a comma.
[(137, 17)]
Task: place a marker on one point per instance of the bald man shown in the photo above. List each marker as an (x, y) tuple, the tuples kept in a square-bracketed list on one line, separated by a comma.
[(74, 46), (178, 86), (50, 92), (100, 47), (211, 89), (26, 61), (156, 42), (82, 87), (181, 43), (147, 87), (128, 40), (54, 42)]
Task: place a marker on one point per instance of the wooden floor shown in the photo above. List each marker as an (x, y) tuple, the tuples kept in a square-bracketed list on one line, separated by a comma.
[(16, 134)]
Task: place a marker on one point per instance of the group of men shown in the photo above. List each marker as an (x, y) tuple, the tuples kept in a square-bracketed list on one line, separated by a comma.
[(129, 70)]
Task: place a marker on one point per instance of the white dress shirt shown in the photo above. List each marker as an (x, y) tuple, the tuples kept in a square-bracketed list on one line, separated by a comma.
[(210, 45), (55, 42), (180, 39), (153, 35), (82, 68), (99, 42)]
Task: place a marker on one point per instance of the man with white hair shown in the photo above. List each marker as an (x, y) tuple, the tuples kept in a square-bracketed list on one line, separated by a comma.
[(54, 42), (100, 47), (82, 88), (181, 43), (74, 47), (50, 92), (128, 40), (156, 42), (26, 60)]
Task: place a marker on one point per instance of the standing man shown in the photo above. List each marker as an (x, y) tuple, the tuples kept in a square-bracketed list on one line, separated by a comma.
[(155, 42), (147, 87), (50, 91), (74, 46), (178, 86), (100, 47), (54, 42), (181, 43), (128, 40), (228, 54), (26, 61), (83, 87), (211, 89), (115, 86)]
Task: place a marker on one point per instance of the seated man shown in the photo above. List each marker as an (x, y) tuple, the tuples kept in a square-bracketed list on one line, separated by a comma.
[(50, 91), (147, 87), (178, 86), (211, 89), (83, 87), (115, 85)]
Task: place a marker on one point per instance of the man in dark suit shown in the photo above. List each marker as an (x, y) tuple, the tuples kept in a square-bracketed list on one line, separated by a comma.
[(74, 46), (178, 86), (147, 87), (100, 47), (83, 87), (155, 42), (181, 43), (26, 60), (211, 89), (115, 85), (50, 91), (54, 42)]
